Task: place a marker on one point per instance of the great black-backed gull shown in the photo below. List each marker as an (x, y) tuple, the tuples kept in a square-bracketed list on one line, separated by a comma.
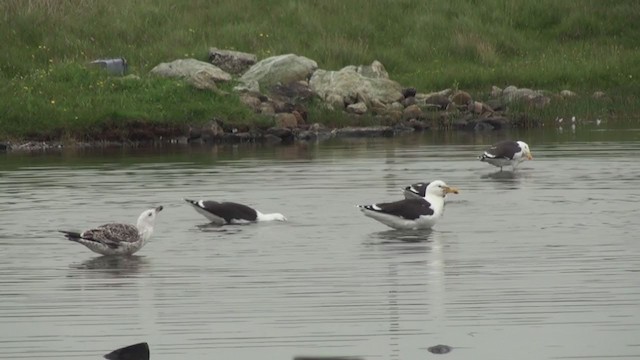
[(225, 213), (415, 191), (507, 153), (115, 238), (413, 213)]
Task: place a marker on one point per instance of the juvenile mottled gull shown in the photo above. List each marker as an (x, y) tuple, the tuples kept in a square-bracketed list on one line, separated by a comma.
[(224, 213), (413, 213), (115, 238), (507, 153)]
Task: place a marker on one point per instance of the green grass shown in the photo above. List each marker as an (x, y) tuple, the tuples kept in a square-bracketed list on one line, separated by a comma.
[(582, 45)]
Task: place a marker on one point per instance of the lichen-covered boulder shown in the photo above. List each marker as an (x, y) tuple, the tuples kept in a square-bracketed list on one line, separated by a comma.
[(352, 84), (200, 74), (233, 62), (281, 69)]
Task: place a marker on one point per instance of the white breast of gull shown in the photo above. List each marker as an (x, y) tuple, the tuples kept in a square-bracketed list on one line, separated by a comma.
[(117, 238)]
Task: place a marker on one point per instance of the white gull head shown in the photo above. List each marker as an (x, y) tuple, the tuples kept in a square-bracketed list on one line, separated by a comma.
[(439, 188), (270, 217), (525, 150), (146, 222)]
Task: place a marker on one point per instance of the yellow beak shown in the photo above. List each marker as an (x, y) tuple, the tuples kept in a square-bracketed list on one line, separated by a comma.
[(450, 190), (529, 156)]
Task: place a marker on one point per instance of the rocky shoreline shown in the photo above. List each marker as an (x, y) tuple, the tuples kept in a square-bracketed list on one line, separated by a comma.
[(283, 87), (216, 132)]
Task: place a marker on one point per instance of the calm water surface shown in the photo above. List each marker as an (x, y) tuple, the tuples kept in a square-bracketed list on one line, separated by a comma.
[(541, 265)]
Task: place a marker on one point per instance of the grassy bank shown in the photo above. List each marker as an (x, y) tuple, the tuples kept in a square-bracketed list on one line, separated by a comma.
[(579, 45)]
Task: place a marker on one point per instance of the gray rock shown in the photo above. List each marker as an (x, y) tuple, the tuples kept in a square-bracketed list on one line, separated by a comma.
[(399, 106), (306, 135), (334, 102), (284, 134), (460, 123), (349, 86), (412, 112), (496, 104), (539, 102), (375, 70), (461, 98), (418, 125), (510, 95), (272, 139), (282, 69), (421, 97), (508, 90), (239, 137), (495, 92), (439, 102), (297, 91), (483, 126), (251, 101), (286, 120), (479, 108), (316, 131), (599, 95), (233, 62), (407, 101), (497, 122), (208, 131), (392, 116), (202, 80), (357, 108), (378, 106), (373, 131), (267, 108), (199, 73), (568, 94)]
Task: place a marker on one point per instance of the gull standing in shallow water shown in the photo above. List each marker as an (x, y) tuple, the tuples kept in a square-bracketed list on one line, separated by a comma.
[(507, 153), (412, 213), (115, 238), (225, 213)]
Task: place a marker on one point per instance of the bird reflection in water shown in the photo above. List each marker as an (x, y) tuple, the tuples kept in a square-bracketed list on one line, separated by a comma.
[(212, 227), (501, 175), (403, 236), (114, 265)]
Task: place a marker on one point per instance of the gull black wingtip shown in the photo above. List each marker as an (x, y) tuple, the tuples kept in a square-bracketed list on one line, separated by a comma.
[(138, 351), (71, 235)]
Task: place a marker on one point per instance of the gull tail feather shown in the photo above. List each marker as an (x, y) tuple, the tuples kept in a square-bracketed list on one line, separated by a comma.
[(71, 235), (484, 157), (138, 351)]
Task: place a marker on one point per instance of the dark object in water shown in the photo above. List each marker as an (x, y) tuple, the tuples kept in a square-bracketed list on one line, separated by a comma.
[(440, 349), (132, 352), (116, 66), (326, 358)]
